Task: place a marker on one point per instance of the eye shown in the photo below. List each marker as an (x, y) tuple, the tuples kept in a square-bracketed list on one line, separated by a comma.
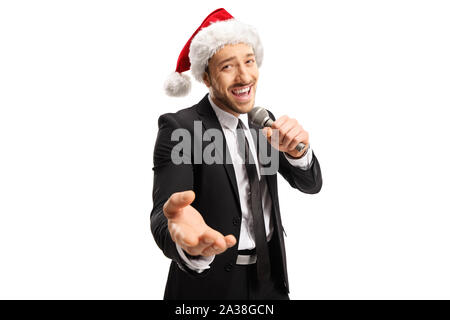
[(250, 61), (228, 66)]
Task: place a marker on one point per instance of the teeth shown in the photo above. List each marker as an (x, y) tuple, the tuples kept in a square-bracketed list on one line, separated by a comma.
[(242, 90)]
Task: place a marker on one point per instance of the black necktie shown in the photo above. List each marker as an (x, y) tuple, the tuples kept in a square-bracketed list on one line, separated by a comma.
[(262, 249)]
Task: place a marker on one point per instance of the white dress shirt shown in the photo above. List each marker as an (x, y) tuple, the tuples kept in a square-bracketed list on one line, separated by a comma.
[(229, 123)]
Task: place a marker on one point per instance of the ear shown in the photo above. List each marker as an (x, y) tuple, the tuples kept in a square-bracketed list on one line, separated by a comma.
[(206, 79)]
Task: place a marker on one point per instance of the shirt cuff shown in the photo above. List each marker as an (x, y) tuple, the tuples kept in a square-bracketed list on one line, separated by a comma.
[(304, 162), (198, 265)]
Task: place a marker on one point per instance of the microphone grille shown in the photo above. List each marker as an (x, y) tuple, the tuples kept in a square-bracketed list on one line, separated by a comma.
[(258, 116)]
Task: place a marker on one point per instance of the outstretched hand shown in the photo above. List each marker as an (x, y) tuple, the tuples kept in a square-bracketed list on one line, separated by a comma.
[(188, 229)]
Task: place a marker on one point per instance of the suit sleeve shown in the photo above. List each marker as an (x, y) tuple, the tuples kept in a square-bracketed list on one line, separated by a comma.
[(307, 181), (168, 178)]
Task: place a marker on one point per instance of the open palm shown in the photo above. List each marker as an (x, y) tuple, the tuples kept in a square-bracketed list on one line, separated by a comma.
[(189, 230)]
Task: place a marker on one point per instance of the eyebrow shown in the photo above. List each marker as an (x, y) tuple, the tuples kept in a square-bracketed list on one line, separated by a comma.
[(234, 57)]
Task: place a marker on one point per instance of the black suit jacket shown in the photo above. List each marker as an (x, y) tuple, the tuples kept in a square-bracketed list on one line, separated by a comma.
[(217, 199)]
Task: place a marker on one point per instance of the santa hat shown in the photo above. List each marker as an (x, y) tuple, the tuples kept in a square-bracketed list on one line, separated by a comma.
[(217, 30)]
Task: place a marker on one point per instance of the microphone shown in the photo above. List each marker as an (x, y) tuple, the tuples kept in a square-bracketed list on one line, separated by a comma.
[(259, 117)]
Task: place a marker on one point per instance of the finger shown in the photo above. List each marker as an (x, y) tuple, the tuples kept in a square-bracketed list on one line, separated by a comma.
[(204, 247), (201, 244), (290, 136), (218, 240), (288, 126), (188, 239), (207, 238), (279, 122), (267, 131), (209, 251), (177, 201), (268, 134), (301, 137), (230, 240), (220, 245), (192, 251)]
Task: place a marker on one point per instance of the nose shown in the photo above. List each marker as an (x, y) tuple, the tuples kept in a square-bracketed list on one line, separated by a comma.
[(243, 75)]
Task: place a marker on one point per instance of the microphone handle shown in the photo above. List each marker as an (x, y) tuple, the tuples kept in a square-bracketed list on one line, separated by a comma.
[(299, 147)]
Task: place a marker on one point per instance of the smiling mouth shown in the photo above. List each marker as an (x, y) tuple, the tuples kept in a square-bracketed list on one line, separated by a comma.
[(242, 93)]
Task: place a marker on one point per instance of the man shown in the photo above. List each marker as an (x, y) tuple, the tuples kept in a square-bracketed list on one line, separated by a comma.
[(220, 222)]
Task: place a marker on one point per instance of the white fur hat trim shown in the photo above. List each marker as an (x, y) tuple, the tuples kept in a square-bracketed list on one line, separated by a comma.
[(211, 39)]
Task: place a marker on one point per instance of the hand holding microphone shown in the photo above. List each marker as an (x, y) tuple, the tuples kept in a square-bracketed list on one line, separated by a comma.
[(292, 138)]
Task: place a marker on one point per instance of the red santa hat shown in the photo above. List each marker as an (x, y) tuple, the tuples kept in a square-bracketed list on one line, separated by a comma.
[(217, 30)]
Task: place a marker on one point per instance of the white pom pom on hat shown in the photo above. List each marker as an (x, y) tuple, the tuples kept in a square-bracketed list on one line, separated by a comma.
[(177, 84), (217, 30)]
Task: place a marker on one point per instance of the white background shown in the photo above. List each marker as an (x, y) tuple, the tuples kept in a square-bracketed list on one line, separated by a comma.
[(80, 95)]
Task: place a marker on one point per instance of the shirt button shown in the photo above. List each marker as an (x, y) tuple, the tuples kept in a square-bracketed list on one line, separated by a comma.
[(236, 221)]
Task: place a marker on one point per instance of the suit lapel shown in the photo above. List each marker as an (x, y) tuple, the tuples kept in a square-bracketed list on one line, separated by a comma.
[(210, 121)]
